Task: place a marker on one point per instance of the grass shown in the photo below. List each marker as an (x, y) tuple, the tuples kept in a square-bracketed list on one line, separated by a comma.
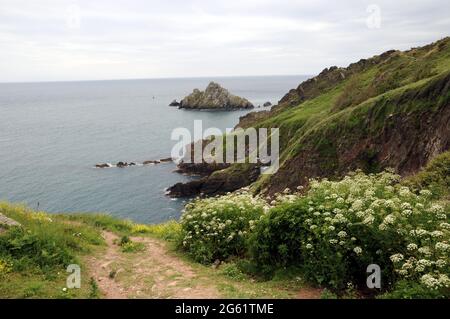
[(356, 108), (435, 176), (40, 251), (79, 236)]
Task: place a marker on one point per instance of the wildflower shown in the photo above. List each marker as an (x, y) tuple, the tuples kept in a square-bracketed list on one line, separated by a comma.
[(412, 247), (442, 246), (368, 220), (445, 226), (405, 205), (418, 232), (357, 204), (342, 234), (429, 281), (436, 209), (357, 250), (309, 246), (396, 258), (407, 212), (425, 192), (360, 214), (425, 250), (404, 191), (422, 264), (389, 219)]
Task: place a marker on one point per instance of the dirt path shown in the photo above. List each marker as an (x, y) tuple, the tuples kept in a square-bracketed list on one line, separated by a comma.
[(152, 273)]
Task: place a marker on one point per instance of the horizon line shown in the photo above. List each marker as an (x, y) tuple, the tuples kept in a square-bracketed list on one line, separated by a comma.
[(156, 78)]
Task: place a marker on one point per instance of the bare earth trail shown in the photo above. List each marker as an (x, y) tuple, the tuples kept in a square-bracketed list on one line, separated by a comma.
[(156, 272), (152, 273)]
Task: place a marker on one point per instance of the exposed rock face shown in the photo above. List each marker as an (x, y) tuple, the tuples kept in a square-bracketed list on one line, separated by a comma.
[(267, 104), (219, 182), (391, 110), (405, 140), (214, 97), (250, 118), (200, 168)]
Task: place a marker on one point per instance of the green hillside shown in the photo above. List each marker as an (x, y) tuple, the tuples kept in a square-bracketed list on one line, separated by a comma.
[(391, 110)]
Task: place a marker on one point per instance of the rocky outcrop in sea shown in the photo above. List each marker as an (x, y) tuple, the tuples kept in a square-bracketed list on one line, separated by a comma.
[(215, 97)]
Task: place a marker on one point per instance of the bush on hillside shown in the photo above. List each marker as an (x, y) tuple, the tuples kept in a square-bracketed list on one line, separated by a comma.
[(435, 176), (217, 227), (339, 228)]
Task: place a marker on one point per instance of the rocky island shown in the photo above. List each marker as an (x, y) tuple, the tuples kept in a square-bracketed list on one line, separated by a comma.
[(215, 97)]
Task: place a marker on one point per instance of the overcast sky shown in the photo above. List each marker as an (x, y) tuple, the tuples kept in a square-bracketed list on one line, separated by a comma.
[(51, 40)]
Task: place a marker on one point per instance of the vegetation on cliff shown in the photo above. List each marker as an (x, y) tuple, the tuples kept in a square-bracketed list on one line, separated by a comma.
[(331, 234), (392, 110)]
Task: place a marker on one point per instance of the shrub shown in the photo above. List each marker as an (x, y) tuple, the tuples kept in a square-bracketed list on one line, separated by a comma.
[(169, 230), (339, 228), (29, 248), (435, 176), (5, 267), (128, 246), (217, 228), (406, 289)]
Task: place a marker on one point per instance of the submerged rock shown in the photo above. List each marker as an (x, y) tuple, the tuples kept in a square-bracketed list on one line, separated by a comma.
[(103, 165), (214, 97), (150, 162), (174, 103), (122, 164)]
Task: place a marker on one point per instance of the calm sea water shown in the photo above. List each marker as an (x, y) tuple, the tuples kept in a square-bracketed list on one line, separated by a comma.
[(51, 135)]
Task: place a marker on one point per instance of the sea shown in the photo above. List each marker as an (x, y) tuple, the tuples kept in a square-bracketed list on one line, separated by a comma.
[(53, 133)]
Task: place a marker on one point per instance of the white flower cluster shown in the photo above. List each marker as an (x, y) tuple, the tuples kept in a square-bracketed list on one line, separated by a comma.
[(381, 205), (220, 220)]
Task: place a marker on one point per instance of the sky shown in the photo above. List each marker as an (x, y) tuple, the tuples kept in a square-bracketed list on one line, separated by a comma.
[(63, 40)]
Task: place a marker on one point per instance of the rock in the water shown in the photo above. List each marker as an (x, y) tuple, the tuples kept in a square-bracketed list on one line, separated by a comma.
[(220, 182), (103, 165), (150, 162), (267, 104), (165, 160), (174, 103), (214, 97), (122, 164)]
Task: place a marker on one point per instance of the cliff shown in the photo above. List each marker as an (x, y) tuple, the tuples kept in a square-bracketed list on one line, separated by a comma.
[(392, 110)]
